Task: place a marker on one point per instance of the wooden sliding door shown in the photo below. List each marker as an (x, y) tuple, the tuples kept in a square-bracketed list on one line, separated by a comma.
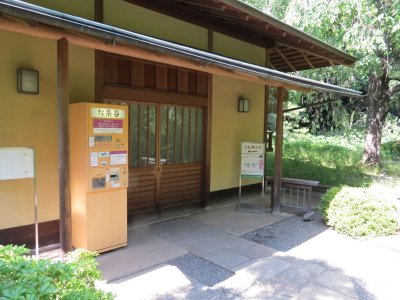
[(166, 156), (143, 132), (181, 152)]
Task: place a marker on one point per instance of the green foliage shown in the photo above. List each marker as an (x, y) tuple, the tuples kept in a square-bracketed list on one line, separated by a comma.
[(258, 4), (23, 277), (332, 160), (368, 30), (326, 199), (391, 149), (359, 212)]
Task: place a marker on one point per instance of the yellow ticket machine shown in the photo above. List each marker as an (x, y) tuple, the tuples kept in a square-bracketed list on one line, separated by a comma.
[(99, 175)]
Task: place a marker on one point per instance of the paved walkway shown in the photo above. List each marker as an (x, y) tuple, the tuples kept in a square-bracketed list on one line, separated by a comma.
[(223, 254)]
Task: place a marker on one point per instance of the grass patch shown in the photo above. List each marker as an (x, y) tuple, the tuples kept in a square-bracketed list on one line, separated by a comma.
[(296, 168), (391, 150), (330, 160)]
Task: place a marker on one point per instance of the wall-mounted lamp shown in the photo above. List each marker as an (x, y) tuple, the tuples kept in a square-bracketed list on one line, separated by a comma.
[(243, 105), (27, 81)]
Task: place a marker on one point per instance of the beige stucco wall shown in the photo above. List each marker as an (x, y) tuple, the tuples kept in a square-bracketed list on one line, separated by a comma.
[(28, 120), (141, 20), (81, 8), (233, 48), (31, 120), (230, 128)]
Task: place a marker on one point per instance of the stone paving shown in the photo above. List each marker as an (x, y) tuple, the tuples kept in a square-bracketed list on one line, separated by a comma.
[(211, 255)]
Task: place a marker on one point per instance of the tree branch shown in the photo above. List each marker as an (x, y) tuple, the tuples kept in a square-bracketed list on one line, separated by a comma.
[(394, 90), (394, 79)]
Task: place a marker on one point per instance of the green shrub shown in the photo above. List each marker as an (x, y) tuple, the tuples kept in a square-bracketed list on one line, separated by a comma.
[(23, 277), (391, 150), (358, 212), (326, 201)]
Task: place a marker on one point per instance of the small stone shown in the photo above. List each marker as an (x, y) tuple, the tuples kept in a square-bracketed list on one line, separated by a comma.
[(308, 216)]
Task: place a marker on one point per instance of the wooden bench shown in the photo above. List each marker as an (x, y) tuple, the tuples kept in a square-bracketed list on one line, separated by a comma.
[(296, 193)]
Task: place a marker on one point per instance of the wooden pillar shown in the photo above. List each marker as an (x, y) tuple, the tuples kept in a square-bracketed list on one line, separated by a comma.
[(276, 195), (99, 79), (63, 145), (266, 104), (98, 11), (266, 100), (207, 122)]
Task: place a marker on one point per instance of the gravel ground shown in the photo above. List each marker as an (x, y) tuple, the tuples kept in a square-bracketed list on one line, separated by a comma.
[(288, 233), (201, 270)]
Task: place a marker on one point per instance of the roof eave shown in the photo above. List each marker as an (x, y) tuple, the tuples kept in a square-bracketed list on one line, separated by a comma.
[(117, 35), (290, 29)]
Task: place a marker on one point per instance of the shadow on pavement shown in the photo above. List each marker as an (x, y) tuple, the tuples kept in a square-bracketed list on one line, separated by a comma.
[(298, 279)]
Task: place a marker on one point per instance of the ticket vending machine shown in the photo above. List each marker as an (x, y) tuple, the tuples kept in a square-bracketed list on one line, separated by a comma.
[(99, 175)]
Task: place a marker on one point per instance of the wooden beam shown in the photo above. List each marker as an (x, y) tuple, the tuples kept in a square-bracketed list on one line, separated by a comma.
[(215, 6), (285, 59), (141, 94), (63, 145), (307, 60), (336, 60), (271, 65), (48, 32), (276, 195)]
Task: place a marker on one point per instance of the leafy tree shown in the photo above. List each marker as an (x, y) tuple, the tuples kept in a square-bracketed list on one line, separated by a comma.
[(367, 29)]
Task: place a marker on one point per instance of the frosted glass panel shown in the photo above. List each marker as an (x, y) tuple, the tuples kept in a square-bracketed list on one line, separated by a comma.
[(134, 135), (199, 136), (163, 134), (185, 140), (192, 138), (178, 135), (143, 153), (171, 135)]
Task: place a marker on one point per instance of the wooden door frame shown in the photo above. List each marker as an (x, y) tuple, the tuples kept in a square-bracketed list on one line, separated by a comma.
[(105, 92)]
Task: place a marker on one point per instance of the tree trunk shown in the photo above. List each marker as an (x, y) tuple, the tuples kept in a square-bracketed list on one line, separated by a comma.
[(378, 103)]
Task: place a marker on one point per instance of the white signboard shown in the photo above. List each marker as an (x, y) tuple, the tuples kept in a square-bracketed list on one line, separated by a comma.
[(16, 163), (252, 160)]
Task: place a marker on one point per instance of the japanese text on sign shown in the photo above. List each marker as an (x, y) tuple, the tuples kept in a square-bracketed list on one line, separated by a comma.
[(108, 113), (107, 126), (252, 160), (256, 148)]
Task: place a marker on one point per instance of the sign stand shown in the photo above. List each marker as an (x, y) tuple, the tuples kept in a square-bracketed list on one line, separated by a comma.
[(19, 163), (252, 166)]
